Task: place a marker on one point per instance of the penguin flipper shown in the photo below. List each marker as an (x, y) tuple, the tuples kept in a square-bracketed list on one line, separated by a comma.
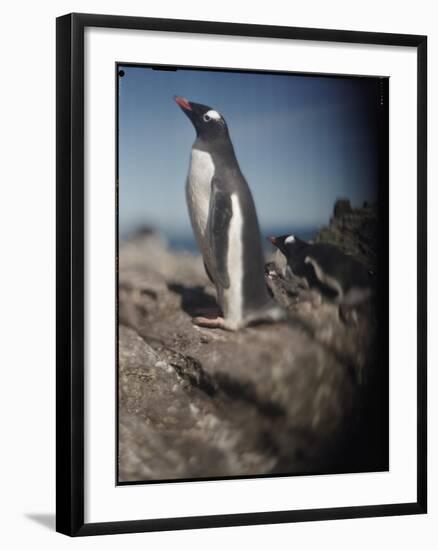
[(219, 217), (208, 273), (324, 278)]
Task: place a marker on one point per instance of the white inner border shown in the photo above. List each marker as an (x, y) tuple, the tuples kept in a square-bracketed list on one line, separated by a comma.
[(103, 500)]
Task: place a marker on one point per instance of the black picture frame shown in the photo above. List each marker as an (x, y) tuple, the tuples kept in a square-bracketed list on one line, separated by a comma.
[(70, 273)]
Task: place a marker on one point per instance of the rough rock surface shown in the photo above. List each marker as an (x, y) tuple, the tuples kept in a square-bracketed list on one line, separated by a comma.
[(354, 231), (291, 397)]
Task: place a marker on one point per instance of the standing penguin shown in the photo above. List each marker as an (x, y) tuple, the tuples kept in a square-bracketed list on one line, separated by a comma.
[(225, 224), (325, 266)]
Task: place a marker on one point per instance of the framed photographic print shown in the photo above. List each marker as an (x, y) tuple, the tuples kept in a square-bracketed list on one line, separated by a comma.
[(241, 274)]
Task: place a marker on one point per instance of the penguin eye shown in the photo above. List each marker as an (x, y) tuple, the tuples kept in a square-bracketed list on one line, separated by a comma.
[(206, 117)]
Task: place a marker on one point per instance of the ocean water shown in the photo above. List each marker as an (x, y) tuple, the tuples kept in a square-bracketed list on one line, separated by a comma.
[(187, 241), (184, 240)]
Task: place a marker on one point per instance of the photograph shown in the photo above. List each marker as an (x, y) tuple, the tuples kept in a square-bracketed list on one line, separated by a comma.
[(252, 274)]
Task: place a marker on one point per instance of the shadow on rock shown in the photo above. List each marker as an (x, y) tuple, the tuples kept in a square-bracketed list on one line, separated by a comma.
[(193, 298)]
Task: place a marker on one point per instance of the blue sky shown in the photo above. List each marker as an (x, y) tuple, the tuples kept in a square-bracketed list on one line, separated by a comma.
[(301, 141)]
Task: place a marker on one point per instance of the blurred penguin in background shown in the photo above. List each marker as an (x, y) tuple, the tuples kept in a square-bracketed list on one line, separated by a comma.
[(325, 267)]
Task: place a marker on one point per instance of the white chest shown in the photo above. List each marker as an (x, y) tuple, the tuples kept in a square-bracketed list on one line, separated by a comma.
[(198, 189)]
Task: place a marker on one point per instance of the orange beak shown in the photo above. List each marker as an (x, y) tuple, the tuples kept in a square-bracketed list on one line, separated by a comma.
[(182, 102)]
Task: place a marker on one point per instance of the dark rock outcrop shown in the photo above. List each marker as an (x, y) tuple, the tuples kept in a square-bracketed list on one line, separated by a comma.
[(354, 231), (285, 398)]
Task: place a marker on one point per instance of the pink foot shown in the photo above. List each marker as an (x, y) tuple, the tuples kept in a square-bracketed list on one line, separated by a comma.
[(208, 322)]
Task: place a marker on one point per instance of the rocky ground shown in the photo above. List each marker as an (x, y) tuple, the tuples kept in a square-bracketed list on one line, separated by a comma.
[(302, 396), (354, 231)]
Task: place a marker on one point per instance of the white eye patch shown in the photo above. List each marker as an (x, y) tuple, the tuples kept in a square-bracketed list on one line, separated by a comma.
[(212, 114), (290, 239)]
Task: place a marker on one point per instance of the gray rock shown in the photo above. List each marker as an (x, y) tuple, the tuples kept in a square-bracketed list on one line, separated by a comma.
[(354, 231), (270, 399)]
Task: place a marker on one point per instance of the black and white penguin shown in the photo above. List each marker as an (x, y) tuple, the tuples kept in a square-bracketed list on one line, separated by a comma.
[(324, 265), (225, 224)]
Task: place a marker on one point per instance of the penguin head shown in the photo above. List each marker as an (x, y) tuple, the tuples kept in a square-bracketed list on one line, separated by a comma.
[(289, 245), (208, 123)]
